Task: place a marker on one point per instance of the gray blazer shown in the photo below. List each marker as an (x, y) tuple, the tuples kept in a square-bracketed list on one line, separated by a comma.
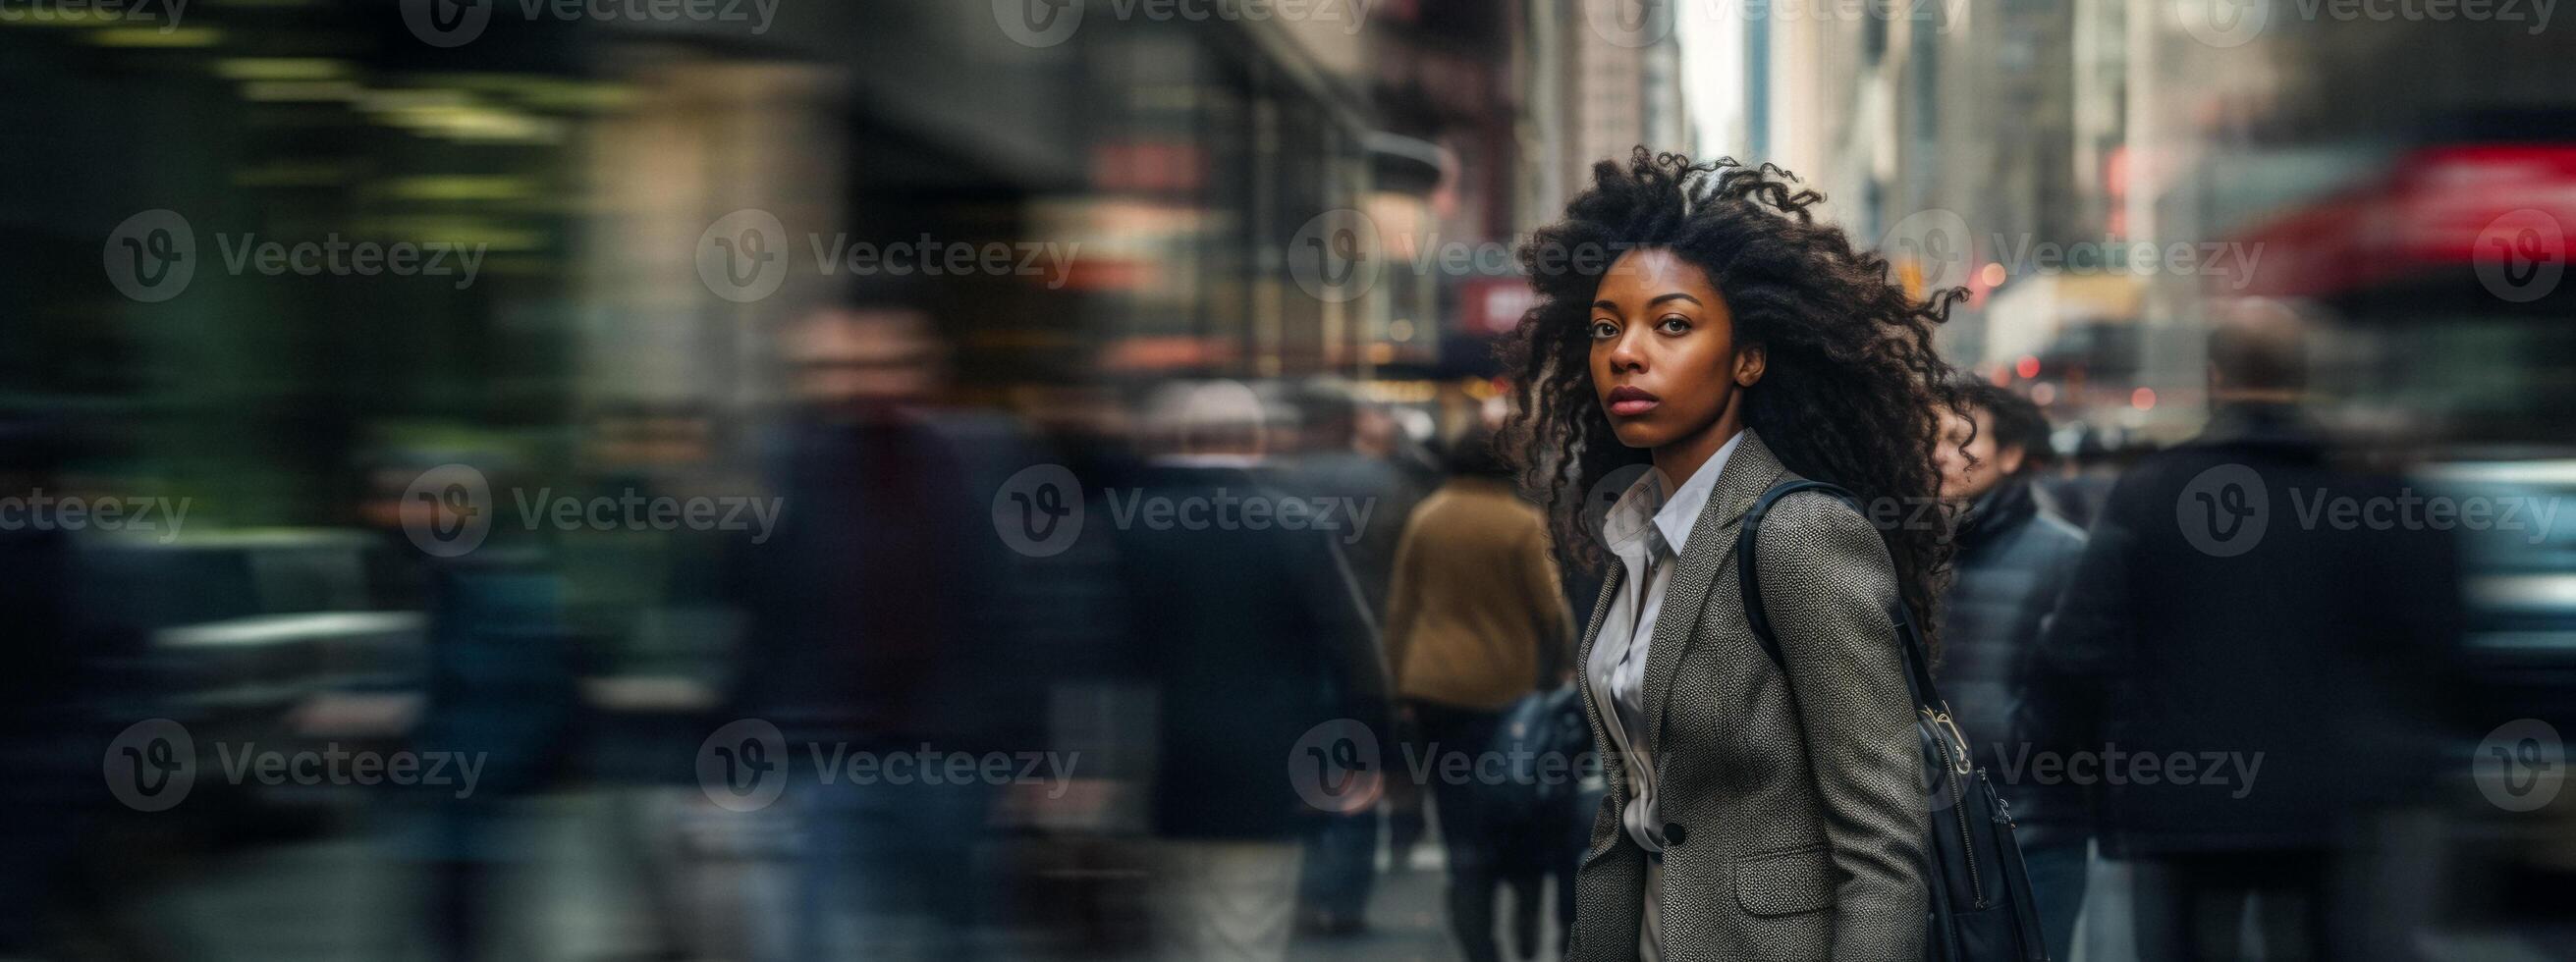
[(1795, 807)]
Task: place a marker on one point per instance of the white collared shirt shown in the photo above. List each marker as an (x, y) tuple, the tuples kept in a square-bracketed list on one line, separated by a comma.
[(1647, 529)]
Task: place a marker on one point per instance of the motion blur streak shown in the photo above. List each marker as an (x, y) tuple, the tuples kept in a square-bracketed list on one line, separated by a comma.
[(793, 479)]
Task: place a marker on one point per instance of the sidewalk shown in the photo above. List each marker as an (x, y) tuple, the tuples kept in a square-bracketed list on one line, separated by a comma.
[(346, 897)]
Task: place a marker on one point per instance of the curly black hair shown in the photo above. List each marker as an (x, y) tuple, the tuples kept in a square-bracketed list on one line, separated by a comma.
[(1851, 387)]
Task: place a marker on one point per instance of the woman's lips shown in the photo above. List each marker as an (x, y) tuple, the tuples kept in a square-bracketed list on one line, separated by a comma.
[(1630, 402)]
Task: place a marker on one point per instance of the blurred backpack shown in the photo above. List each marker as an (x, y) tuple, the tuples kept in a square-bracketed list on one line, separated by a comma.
[(1981, 908), (1543, 741)]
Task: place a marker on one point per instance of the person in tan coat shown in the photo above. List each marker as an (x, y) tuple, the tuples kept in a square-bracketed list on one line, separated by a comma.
[(1476, 620)]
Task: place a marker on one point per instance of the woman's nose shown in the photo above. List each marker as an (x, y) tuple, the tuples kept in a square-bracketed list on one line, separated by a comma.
[(1624, 354)]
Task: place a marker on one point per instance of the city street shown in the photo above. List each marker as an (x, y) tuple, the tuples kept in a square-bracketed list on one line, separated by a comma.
[(340, 898), (983, 480)]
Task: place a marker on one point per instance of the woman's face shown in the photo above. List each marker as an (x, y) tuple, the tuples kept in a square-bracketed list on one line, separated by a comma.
[(1664, 361)]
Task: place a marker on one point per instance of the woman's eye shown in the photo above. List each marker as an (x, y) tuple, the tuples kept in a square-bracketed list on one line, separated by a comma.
[(1673, 324), (1604, 330)]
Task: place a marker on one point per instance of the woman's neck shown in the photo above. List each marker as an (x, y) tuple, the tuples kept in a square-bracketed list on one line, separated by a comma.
[(1681, 459)]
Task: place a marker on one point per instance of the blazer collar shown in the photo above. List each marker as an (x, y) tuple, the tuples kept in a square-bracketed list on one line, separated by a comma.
[(1750, 471)]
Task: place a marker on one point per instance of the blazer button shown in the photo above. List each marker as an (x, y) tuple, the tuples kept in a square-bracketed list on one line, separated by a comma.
[(1675, 833)]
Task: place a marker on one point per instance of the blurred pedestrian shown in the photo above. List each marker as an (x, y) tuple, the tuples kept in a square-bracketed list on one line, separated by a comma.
[(875, 628), (499, 689), (2013, 556), (1474, 624), (49, 751), (1251, 638), (1339, 460), (2281, 666)]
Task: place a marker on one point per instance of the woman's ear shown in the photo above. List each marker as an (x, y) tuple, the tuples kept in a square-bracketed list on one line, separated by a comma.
[(1748, 366)]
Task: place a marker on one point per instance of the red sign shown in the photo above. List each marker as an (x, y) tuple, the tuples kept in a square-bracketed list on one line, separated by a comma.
[(1492, 306)]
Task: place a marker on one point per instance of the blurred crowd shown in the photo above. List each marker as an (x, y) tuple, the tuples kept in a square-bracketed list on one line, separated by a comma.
[(942, 479), (1172, 670)]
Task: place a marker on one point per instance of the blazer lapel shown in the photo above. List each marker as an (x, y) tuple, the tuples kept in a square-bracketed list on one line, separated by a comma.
[(1748, 472)]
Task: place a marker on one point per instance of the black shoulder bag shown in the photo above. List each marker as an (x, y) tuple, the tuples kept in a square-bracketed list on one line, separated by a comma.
[(1981, 909)]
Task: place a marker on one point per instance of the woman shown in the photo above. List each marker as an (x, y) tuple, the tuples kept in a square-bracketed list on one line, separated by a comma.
[(1698, 320)]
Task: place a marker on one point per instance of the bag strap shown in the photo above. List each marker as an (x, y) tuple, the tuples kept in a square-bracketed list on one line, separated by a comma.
[(1749, 581)]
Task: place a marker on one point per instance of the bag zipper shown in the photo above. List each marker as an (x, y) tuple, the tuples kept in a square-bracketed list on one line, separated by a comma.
[(1958, 798)]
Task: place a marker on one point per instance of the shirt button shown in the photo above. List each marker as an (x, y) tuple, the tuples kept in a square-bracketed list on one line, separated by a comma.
[(1675, 833)]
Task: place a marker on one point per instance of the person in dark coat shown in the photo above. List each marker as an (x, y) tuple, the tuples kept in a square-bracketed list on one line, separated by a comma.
[(2014, 556), (2280, 662), (1250, 639), (877, 625), (47, 753)]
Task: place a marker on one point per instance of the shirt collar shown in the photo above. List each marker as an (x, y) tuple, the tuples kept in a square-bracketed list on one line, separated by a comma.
[(1672, 510)]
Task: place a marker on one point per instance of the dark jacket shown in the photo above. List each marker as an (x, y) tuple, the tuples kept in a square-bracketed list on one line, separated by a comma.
[(2249, 632), (877, 607), (1250, 637), (2014, 559)]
